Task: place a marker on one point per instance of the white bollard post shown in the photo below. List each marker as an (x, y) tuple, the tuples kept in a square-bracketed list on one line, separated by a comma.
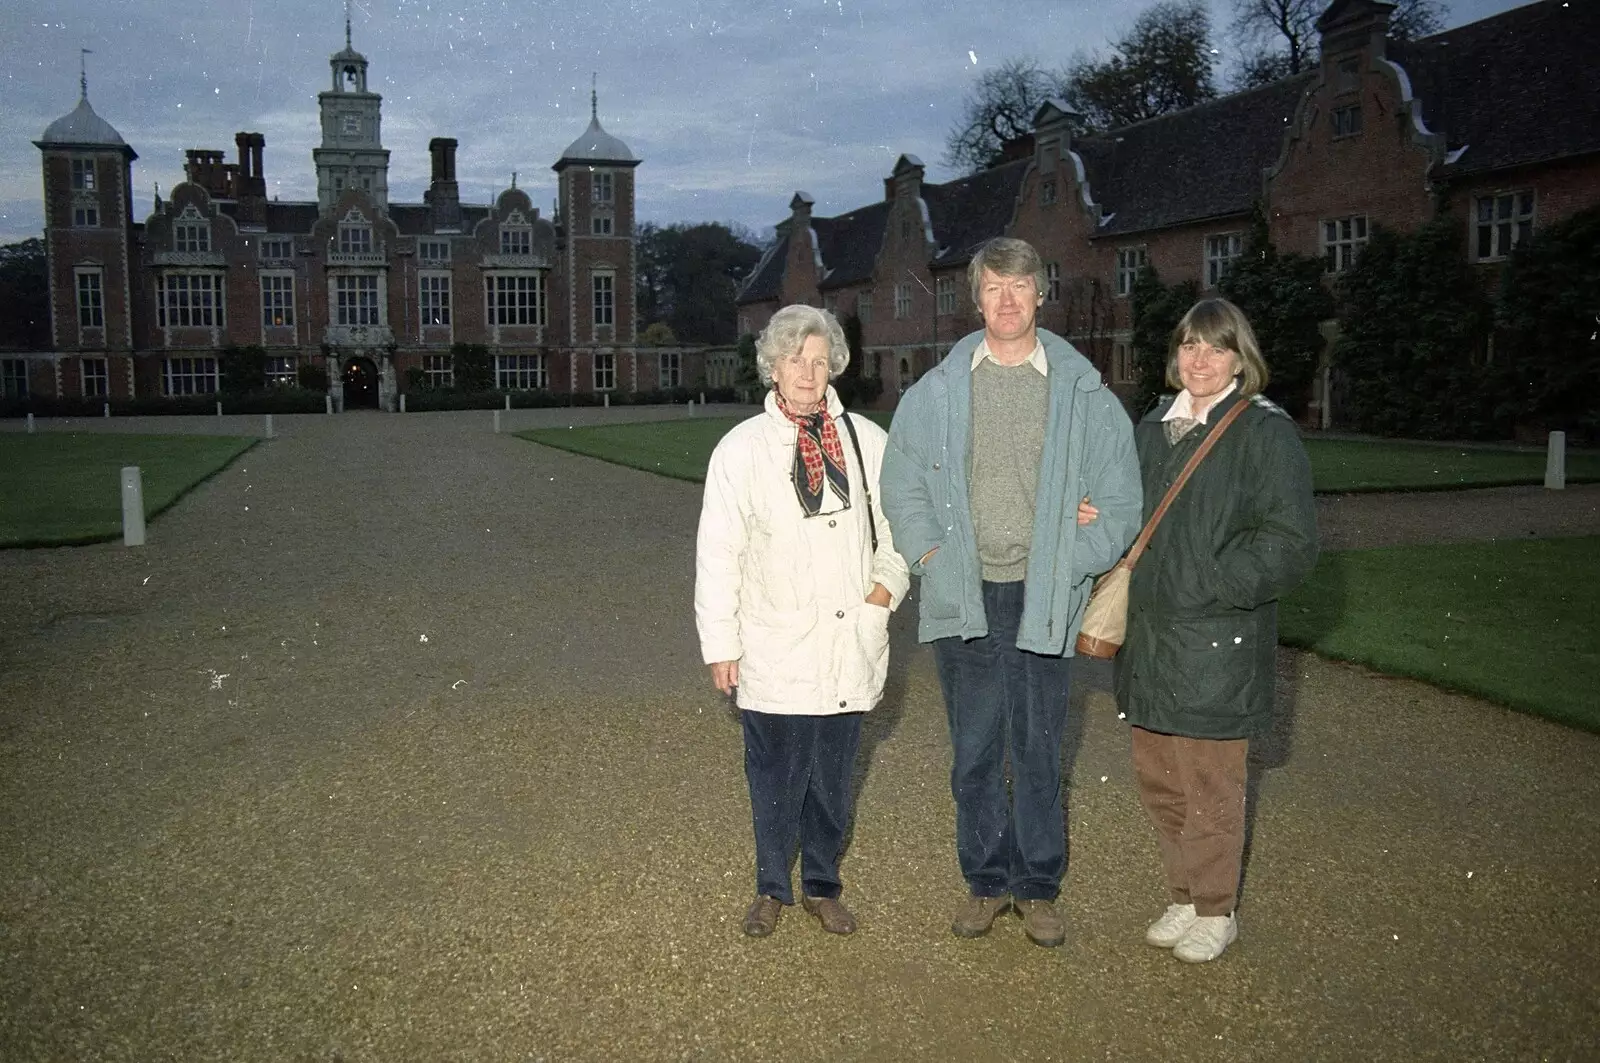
[(607, 398), (1555, 462), (219, 409), (497, 422), (402, 402), (132, 506), (702, 398), (691, 407), (30, 424), (508, 403), (269, 426), (107, 412), (328, 404)]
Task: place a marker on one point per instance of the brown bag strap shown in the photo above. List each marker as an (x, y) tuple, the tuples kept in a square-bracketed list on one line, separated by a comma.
[(1183, 477)]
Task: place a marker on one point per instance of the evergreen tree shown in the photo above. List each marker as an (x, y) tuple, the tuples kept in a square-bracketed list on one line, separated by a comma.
[(1157, 309), (1286, 302), (1547, 364)]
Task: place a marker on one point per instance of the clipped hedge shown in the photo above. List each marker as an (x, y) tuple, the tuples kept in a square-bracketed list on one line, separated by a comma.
[(273, 400), (429, 400)]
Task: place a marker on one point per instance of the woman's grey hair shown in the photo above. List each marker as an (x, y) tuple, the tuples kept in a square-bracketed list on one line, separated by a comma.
[(1219, 323), (1006, 257), (786, 333)]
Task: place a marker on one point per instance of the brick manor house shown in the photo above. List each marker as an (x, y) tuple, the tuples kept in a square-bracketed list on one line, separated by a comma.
[(1498, 121), (372, 290)]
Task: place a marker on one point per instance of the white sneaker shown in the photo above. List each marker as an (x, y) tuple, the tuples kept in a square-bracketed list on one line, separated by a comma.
[(1208, 938), (1170, 928)]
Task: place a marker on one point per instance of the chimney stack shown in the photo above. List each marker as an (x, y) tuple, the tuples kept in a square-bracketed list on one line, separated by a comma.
[(443, 194)]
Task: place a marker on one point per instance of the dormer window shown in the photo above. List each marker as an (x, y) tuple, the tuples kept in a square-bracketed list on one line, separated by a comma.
[(356, 239), (191, 236), (1346, 121), (516, 240)]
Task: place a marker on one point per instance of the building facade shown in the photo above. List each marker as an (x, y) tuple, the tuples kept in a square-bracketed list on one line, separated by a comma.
[(372, 291), (1494, 122)]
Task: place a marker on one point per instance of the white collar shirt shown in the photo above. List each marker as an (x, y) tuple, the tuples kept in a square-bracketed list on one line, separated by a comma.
[(1183, 406), (1035, 359)]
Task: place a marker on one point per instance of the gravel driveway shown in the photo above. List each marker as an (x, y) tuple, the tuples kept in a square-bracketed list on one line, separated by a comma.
[(394, 744)]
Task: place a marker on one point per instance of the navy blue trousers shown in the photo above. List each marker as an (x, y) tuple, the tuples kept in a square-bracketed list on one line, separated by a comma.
[(1005, 703), (799, 769)]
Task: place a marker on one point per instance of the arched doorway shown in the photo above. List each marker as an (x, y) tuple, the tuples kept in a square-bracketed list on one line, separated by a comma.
[(360, 384)]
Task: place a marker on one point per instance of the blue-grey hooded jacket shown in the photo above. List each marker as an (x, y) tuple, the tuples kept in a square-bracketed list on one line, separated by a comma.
[(1088, 450)]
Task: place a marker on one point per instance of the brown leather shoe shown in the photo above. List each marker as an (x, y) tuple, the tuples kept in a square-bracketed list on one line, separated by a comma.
[(977, 914), (1041, 922), (831, 913), (762, 918)]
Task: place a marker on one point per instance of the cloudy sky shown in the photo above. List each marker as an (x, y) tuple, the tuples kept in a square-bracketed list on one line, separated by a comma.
[(732, 104)]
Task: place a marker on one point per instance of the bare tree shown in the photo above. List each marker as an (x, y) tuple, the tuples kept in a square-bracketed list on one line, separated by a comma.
[(1000, 107), (1163, 64), (1280, 36)]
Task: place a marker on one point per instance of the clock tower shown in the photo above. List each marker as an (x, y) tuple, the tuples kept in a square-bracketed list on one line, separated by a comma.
[(352, 155)]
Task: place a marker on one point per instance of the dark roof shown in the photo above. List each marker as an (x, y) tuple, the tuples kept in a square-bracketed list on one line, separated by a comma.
[(413, 219), (968, 212), (850, 243), (766, 280), (1513, 89), (1205, 161)]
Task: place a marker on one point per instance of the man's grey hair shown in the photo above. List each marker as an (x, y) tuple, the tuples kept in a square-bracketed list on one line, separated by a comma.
[(1006, 257), (786, 333)]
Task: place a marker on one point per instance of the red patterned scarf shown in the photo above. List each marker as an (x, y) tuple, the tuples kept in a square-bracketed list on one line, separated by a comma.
[(818, 458)]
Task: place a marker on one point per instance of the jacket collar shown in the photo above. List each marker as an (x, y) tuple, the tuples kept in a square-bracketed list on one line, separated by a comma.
[(770, 406), (1060, 355)]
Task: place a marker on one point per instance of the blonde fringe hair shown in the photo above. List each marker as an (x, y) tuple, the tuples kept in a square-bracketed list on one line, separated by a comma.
[(1219, 323)]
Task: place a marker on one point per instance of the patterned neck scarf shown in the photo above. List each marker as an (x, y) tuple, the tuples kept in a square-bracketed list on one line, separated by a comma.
[(818, 458)]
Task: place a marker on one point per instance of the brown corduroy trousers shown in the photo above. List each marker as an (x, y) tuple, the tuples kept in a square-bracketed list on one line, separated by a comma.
[(1193, 790)]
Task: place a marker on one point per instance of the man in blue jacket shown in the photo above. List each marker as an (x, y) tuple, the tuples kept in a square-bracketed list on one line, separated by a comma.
[(988, 457)]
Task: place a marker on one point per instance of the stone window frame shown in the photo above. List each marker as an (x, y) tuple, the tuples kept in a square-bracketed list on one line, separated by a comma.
[(1047, 191), (603, 187), (282, 372), (1123, 370), (669, 369), (85, 216), (277, 299), (1130, 260), (97, 370), (275, 249), (864, 308), (600, 225), (200, 301), (1222, 250), (83, 177), (89, 289), (945, 288), (603, 297), (191, 231), (516, 298), (1342, 240), (351, 305), (433, 251), (439, 370), (1501, 221), (1345, 120), (902, 300), (355, 237), (197, 375), (1052, 282), (14, 378), (434, 292), (604, 371), (521, 372)]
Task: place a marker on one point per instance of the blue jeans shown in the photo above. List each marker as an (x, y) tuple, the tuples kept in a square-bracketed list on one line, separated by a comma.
[(1003, 702), (799, 769)]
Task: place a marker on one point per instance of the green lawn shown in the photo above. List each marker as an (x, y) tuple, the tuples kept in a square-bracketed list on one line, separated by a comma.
[(1515, 622), (59, 489), (1352, 465), (681, 449)]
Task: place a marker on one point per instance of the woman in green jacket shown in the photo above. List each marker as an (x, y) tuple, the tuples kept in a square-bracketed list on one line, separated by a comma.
[(1196, 674)]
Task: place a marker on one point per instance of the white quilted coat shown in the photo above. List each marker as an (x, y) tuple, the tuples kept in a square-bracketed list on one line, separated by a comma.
[(782, 593)]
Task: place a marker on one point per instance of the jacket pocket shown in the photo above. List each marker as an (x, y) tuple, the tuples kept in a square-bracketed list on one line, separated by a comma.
[(1208, 663), (782, 660), (863, 659), (941, 585)]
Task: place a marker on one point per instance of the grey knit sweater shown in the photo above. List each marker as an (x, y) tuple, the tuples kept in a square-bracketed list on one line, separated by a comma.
[(1010, 405)]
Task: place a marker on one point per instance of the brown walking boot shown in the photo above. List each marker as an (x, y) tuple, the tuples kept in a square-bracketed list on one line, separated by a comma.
[(762, 918), (831, 913), (1042, 923), (977, 914)]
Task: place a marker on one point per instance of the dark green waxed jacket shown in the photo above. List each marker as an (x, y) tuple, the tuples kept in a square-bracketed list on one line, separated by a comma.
[(1202, 607)]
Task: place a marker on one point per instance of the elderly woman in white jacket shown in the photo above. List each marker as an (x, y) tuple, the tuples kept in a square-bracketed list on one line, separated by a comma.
[(795, 579)]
